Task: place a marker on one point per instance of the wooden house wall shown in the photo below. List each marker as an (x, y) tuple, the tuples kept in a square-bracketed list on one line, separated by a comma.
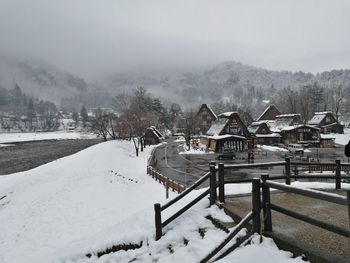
[(270, 114), (204, 120), (235, 127)]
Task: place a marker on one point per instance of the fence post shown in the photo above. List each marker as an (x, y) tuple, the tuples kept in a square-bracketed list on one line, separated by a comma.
[(221, 172), (212, 183), (158, 221), (348, 198), (266, 203), (256, 202), (337, 174), (167, 188), (288, 170)]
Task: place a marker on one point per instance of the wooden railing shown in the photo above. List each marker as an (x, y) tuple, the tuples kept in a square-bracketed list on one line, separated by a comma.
[(219, 169), (158, 208), (291, 171), (261, 202), (166, 181), (267, 206)]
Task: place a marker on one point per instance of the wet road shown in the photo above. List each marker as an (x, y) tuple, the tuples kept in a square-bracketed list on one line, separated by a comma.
[(187, 168)]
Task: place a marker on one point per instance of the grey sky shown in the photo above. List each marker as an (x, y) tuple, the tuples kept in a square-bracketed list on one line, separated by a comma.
[(92, 37)]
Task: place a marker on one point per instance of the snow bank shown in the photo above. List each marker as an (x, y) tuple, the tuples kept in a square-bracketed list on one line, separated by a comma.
[(200, 149), (342, 139), (272, 148), (87, 202), (72, 198)]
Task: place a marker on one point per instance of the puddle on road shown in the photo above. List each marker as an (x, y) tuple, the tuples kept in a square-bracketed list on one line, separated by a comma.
[(6, 145)]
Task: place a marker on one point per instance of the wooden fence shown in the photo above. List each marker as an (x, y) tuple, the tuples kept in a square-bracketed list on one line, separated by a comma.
[(166, 181), (267, 206)]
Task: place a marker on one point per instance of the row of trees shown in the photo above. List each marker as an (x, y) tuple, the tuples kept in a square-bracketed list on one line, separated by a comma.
[(136, 111), (15, 104), (314, 98)]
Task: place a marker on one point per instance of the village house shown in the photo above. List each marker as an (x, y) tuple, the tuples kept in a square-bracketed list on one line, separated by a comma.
[(262, 134), (303, 134), (326, 122), (269, 113), (152, 136), (204, 119), (227, 131), (290, 130)]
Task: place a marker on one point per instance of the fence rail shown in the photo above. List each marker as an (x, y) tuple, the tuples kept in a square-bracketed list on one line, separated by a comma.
[(166, 181), (268, 206), (158, 208)]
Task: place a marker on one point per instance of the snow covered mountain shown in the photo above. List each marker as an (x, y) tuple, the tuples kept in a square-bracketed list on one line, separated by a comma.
[(226, 81), (40, 79), (231, 81)]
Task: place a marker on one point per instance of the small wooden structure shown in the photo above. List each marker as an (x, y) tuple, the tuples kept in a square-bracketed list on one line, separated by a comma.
[(300, 133), (152, 136), (327, 142), (326, 122), (262, 133)]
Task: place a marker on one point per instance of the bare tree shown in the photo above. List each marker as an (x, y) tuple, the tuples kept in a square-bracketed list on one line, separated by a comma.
[(100, 124), (135, 113), (338, 96), (288, 100), (188, 125), (304, 104)]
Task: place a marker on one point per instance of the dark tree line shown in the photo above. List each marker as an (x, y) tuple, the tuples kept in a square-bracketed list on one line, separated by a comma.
[(15, 104), (312, 98)]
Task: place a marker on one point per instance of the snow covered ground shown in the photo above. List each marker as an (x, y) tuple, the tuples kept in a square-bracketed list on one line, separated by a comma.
[(342, 139), (199, 149), (271, 148), (100, 197), (37, 136)]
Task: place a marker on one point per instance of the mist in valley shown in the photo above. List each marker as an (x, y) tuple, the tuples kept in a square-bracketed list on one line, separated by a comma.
[(76, 53)]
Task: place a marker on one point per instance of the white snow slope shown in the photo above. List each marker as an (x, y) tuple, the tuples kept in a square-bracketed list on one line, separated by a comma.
[(100, 197)]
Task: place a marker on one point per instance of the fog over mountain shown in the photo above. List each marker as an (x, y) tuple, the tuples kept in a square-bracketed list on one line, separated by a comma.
[(226, 81)]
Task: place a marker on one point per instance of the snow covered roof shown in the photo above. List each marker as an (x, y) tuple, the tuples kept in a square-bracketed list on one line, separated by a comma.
[(217, 126), (293, 127), (227, 114), (272, 135), (327, 136), (290, 115), (323, 112), (270, 107), (156, 132), (253, 128), (218, 137), (317, 118), (209, 109)]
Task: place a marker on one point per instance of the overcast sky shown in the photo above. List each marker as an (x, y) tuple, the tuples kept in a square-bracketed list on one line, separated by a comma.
[(93, 37)]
